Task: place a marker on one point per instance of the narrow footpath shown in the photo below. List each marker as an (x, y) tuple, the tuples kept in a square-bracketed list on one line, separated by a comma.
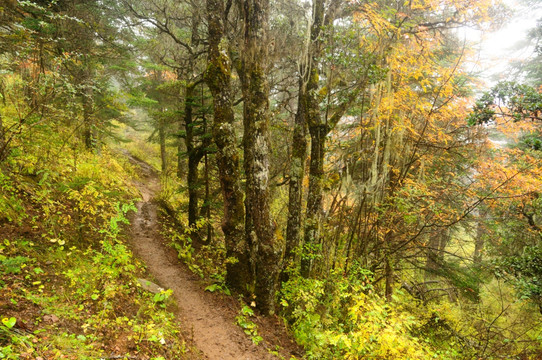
[(204, 318)]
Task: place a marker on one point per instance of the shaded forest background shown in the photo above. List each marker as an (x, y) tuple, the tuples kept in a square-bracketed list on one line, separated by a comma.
[(332, 162)]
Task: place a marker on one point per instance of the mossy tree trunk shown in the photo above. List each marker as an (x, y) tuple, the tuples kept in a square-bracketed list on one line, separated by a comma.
[(307, 112), (218, 78), (324, 13), (297, 173), (318, 132), (259, 227)]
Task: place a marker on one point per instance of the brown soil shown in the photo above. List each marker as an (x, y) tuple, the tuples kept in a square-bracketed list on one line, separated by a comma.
[(206, 318)]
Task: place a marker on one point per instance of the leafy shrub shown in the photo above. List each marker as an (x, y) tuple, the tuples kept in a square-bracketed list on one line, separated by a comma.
[(343, 318)]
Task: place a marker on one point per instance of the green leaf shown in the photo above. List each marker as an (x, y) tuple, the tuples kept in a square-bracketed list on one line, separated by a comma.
[(9, 323), (246, 310), (211, 288), (162, 296)]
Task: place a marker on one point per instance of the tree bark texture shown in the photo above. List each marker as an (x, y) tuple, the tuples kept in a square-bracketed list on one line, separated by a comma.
[(297, 173), (318, 132), (218, 78), (259, 227)]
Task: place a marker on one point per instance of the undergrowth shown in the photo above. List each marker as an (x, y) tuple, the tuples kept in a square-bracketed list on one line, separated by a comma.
[(345, 317), (342, 317), (68, 282)]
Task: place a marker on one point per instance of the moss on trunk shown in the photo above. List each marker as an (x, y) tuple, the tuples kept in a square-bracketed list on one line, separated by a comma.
[(266, 248), (218, 78)]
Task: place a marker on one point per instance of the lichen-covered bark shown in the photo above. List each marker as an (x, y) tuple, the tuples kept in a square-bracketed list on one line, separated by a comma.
[(319, 127), (297, 172), (259, 227), (218, 78), (318, 131)]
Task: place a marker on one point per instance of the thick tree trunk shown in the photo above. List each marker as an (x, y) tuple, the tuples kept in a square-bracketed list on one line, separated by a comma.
[(259, 228), (218, 78), (318, 132), (297, 173)]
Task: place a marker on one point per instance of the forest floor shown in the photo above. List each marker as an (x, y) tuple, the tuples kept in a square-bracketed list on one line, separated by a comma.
[(207, 319)]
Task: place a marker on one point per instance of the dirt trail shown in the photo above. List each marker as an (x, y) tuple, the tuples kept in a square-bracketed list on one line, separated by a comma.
[(203, 318)]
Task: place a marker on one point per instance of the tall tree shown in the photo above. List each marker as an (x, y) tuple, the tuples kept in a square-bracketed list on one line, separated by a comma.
[(297, 174), (218, 77), (326, 97), (310, 100), (259, 227), (86, 31)]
